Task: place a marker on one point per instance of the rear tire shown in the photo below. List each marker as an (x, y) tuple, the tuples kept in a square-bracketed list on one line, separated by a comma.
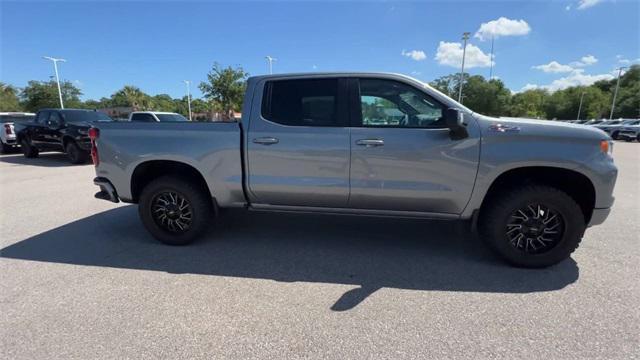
[(552, 230), (28, 150), (175, 210), (75, 154), (614, 135), (4, 148)]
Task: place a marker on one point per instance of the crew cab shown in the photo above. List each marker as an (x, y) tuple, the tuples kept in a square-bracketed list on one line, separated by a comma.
[(7, 132), (155, 116), (365, 144), (63, 130)]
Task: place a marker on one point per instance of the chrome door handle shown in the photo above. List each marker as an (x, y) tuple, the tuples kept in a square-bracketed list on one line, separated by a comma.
[(370, 142), (265, 141)]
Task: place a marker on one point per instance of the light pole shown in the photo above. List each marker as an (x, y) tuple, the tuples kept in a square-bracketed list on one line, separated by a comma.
[(493, 37), (188, 83), (465, 37), (580, 107), (615, 93), (270, 60), (55, 68)]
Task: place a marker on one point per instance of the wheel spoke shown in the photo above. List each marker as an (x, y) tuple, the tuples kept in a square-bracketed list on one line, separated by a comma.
[(172, 211), (535, 228)]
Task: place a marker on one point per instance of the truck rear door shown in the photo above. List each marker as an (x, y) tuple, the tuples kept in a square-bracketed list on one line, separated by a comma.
[(298, 143), (402, 157)]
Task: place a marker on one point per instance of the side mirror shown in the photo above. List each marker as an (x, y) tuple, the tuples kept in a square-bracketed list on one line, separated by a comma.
[(454, 119)]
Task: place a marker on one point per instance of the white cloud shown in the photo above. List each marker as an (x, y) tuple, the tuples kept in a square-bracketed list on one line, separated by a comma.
[(589, 59), (417, 55), (585, 4), (568, 7), (553, 67), (450, 54), (576, 78), (585, 61), (502, 27), (529, 87)]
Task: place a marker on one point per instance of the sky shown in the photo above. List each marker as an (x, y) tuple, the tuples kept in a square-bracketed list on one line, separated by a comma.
[(155, 45)]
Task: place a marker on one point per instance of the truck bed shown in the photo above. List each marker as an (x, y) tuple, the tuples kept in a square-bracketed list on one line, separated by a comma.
[(212, 148)]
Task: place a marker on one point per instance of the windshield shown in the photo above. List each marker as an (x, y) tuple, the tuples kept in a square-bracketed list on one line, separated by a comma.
[(171, 117), (16, 118), (81, 115)]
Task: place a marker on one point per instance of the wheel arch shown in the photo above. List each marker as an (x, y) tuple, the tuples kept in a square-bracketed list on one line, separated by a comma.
[(147, 171), (577, 185)]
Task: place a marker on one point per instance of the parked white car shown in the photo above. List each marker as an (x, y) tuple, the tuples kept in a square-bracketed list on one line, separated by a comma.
[(7, 132), (156, 116)]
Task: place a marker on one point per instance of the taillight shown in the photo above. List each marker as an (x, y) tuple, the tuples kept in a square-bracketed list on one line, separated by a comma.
[(7, 129), (94, 134)]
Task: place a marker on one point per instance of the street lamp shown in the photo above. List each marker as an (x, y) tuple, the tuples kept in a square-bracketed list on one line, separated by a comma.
[(465, 37), (270, 60), (55, 68), (188, 83), (580, 107), (615, 93)]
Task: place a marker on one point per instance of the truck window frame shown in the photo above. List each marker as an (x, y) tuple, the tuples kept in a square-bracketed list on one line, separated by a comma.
[(355, 105), (340, 106)]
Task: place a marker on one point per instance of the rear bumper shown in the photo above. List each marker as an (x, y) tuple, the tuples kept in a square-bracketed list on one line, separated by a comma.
[(599, 216), (107, 191)]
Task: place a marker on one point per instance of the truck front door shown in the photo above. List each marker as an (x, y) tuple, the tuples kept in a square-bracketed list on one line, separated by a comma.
[(402, 156), (298, 143)]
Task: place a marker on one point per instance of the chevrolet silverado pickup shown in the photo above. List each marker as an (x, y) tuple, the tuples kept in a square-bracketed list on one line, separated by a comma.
[(365, 144)]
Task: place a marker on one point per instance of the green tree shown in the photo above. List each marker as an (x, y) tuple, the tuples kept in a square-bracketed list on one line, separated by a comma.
[(9, 98), (225, 88), (628, 100), (163, 102), (132, 96), (38, 94), (528, 104)]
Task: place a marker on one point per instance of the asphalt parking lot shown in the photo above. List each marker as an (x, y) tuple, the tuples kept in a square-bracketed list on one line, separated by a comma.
[(81, 278)]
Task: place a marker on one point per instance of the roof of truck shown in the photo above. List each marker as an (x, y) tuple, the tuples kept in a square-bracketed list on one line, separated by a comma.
[(336, 73), (153, 112)]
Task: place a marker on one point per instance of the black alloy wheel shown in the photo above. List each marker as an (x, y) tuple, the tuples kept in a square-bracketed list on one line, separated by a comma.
[(172, 212), (535, 229)]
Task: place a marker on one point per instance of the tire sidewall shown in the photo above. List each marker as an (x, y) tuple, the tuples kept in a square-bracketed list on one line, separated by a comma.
[(27, 149), (571, 214), (201, 213)]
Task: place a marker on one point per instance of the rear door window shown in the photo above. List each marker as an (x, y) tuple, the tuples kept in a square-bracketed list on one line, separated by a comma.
[(308, 102), (42, 117), (143, 118)]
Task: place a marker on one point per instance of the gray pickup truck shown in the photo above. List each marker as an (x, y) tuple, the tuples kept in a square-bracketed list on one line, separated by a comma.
[(365, 144)]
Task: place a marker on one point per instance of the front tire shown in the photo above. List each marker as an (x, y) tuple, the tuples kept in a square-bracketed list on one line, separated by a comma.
[(4, 148), (615, 136), (28, 150), (533, 226), (175, 210), (75, 154)]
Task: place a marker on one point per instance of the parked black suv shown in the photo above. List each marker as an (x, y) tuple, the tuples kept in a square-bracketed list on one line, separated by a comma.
[(64, 130)]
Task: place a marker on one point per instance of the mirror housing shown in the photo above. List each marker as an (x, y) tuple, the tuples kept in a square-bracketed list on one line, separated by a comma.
[(454, 119)]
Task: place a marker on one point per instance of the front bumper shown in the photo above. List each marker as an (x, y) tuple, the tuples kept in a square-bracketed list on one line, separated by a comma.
[(599, 216), (107, 191)]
